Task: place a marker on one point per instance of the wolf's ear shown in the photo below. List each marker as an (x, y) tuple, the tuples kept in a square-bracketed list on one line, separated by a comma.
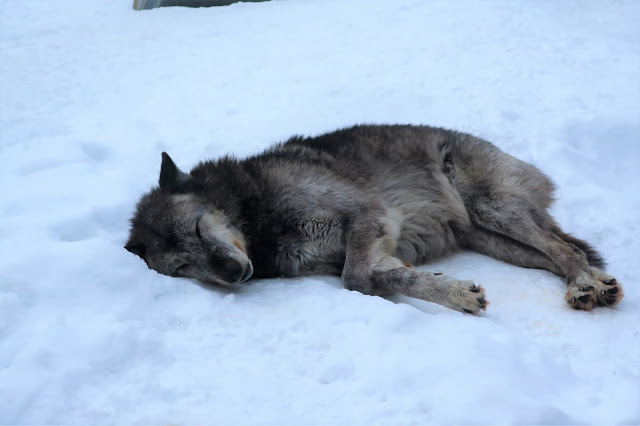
[(172, 179), (137, 249)]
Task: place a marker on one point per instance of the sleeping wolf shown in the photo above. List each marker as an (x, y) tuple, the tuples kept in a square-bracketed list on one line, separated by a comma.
[(365, 203)]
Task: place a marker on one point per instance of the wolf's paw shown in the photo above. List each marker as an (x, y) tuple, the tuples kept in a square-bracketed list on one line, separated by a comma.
[(465, 296), (599, 289), (581, 296), (608, 290)]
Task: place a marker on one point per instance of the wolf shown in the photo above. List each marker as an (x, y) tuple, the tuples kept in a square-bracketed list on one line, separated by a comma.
[(365, 203)]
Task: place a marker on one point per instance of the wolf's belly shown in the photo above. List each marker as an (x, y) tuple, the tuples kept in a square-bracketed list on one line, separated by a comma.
[(422, 242)]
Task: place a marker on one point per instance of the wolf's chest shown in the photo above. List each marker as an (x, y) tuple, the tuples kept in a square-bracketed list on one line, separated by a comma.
[(317, 242)]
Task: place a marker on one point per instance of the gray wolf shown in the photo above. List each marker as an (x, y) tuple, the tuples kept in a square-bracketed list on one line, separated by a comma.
[(365, 203)]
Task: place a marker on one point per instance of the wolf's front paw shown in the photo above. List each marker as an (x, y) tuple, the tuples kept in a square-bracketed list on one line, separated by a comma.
[(465, 296)]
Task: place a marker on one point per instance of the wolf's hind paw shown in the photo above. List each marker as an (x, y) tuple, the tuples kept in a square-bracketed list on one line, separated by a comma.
[(599, 289), (608, 289), (581, 298)]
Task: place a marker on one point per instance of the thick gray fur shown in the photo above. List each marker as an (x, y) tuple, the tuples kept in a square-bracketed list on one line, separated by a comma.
[(364, 203)]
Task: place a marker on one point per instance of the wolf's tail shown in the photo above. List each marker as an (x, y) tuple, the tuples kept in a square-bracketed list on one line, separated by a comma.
[(593, 256)]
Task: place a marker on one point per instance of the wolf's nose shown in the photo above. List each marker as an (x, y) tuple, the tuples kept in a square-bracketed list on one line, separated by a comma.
[(247, 273), (235, 271)]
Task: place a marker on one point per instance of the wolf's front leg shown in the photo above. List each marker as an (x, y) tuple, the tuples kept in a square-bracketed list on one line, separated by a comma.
[(459, 295), (370, 268)]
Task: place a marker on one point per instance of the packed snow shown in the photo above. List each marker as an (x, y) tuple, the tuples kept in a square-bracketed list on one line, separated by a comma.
[(93, 91)]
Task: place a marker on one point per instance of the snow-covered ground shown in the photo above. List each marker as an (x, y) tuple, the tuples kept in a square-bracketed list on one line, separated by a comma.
[(91, 92)]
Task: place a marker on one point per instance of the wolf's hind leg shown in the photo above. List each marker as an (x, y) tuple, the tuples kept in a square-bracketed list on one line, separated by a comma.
[(593, 257), (505, 249), (515, 218), (608, 292)]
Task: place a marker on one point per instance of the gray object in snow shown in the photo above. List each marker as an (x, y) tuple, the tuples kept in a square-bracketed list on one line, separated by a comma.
[(152, 4)]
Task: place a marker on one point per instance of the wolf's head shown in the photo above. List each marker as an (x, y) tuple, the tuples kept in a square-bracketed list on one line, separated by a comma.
[(178, 232)]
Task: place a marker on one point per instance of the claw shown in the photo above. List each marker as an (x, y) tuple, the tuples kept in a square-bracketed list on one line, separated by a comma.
[(612, 281)]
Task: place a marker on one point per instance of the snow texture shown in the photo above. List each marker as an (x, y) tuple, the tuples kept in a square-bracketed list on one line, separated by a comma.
[(92, 92)]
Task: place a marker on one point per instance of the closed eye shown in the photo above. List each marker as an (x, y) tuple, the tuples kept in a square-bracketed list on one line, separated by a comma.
[(180, 270), (198, 228)]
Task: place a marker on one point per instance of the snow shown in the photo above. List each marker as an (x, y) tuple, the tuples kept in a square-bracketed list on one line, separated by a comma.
[(92, 92)]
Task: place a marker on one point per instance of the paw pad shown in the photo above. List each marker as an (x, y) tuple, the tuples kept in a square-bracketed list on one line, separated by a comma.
[(585, 298), (585, 302)]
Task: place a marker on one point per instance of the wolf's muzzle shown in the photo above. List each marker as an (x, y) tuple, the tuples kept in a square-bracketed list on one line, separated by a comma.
[(236, 272), (247, 273)]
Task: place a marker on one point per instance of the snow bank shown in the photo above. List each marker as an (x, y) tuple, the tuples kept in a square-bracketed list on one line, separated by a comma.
[(92, 92)]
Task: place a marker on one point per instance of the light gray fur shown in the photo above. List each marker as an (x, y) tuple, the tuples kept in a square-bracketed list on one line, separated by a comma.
[(364, 203)]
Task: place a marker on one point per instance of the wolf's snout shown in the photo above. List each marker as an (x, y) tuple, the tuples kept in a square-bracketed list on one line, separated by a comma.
[(235, 271), (247, 273)]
